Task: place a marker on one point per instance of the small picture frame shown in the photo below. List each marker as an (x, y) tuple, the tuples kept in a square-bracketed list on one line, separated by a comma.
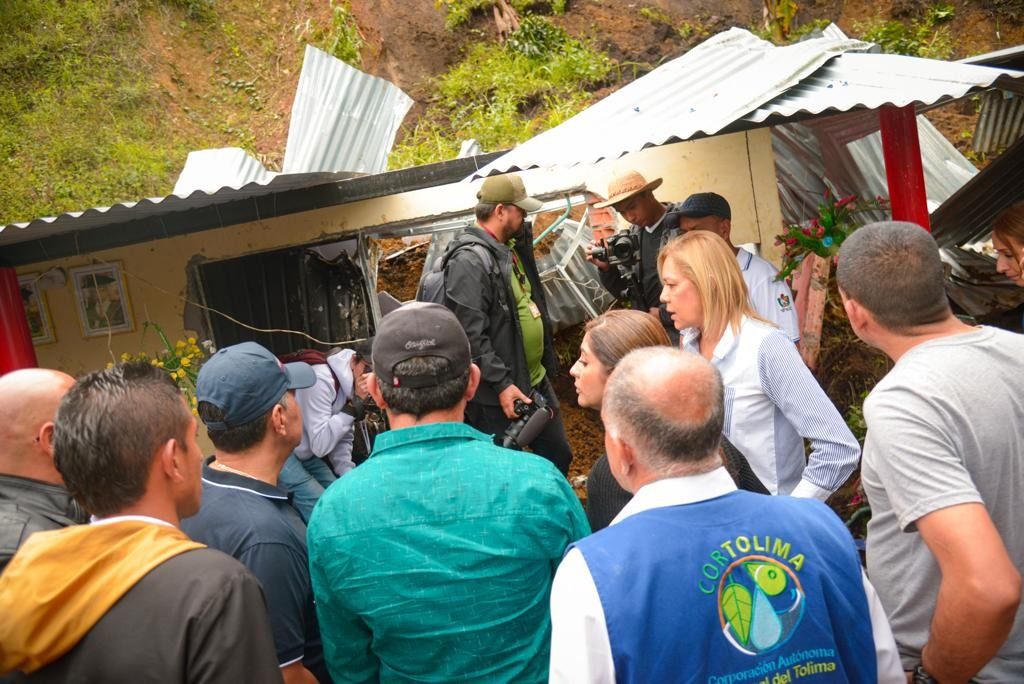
[(40, 326), (102, 298)]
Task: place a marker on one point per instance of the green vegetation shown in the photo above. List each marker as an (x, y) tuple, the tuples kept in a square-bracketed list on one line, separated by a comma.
[(925, 37), (347, 42), (79, 125), (502, 95), (458, 12), (685, 29)]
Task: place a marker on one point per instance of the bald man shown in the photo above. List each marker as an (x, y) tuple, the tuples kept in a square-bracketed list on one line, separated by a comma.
[(695, 580), (32, 494)]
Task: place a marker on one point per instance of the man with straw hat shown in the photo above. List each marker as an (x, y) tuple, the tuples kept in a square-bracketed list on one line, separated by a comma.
[(632, 196)]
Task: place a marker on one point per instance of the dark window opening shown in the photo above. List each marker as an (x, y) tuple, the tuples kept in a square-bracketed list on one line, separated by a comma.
[(318, 290)]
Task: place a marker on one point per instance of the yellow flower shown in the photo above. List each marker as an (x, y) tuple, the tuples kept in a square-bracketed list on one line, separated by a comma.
[(110, 364), (126, 356), (181, 374), (154, 362), (159, 364), (180, 344), (185, 361), (192, 340)]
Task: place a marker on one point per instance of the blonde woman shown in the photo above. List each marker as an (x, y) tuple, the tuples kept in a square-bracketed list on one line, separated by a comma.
[(772, 402), (607, 339), (1008, 239)]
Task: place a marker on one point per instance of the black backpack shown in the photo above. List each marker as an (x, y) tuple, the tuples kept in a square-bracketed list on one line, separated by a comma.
[(431, 287)]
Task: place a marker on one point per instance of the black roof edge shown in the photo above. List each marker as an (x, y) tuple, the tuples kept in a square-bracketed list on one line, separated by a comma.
[(272, 204)]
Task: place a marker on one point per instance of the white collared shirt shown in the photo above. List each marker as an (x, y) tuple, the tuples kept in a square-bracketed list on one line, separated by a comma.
[(93, 520), (770, 297), (326, 431), (580, 649), (772, 403)]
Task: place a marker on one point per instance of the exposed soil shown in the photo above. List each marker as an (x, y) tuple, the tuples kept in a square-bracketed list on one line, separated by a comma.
[(400, 267)]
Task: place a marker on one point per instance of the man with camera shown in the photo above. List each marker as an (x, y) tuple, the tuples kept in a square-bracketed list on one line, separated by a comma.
[(628, 262), (496, 294), (433, 560)]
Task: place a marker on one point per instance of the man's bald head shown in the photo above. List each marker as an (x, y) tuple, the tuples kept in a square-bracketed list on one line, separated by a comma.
[(668, 406), (28, 402)]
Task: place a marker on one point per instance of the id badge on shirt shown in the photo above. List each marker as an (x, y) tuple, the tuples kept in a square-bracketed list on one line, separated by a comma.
[(534, 309)]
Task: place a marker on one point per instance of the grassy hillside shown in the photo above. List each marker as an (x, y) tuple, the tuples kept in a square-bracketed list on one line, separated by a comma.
[(101, 100)]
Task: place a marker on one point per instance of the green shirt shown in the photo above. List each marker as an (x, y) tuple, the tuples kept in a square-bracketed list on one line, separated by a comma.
[(433, 560), (529, 322)]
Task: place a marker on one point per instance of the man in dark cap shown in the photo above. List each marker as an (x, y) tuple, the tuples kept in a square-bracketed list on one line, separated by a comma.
[(492, 285), (433, 560), (247, 401), (770, 297)]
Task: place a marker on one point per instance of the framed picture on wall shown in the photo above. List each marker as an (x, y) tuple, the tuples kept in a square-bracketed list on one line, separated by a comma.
[(36, 313), (102, 299)]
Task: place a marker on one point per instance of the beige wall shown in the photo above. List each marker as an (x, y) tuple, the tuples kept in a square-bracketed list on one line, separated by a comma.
[(155, 271)]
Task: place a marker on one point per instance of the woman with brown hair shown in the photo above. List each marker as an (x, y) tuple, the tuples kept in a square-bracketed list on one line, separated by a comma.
[(607, 339), (1008, 239), (772, 402)]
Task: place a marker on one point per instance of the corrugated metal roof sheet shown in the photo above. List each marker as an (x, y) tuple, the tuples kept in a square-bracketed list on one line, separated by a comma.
[(1000, 122), (735, 81), (1011, 57), (697, 94), (342, 119), (154, 206), (856, 167), (967, 216), (162, 217), (225, 167)]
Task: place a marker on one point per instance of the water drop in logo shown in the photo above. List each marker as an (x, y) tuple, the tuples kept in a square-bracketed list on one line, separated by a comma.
[(760, 604)]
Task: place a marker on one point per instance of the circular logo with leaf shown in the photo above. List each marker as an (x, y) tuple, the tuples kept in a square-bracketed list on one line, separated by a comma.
[(760, 604)]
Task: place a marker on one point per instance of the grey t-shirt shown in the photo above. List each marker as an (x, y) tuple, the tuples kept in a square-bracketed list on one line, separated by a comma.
[(944, 428)]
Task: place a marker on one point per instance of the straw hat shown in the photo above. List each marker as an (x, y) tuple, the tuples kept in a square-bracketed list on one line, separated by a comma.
[(625, 186)]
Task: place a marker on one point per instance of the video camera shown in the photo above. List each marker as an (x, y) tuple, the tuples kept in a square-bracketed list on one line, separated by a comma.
[(531, 422), (619, 249)]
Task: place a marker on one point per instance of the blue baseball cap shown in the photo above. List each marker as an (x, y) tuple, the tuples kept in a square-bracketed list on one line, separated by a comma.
[(245, 381)]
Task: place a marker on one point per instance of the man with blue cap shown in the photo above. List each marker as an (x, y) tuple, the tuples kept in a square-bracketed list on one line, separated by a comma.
[(247, 401)]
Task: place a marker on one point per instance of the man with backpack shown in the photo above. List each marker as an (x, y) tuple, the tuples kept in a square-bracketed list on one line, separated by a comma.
[(492, 285)]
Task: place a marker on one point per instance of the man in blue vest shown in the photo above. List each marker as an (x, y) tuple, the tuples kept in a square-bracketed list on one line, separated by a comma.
[(696, 581)]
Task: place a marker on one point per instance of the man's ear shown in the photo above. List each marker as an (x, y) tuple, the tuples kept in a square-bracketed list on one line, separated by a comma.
[(855, 312), (169, 458), (474, 382), (278, 422), (621, 459), (374, 389), (45, 437)]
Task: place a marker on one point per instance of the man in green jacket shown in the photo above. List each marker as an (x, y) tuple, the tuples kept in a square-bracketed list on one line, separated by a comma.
[(433, 560)]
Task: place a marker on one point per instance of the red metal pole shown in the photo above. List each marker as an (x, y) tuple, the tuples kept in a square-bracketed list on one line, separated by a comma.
[(903, 168), (16, 350)]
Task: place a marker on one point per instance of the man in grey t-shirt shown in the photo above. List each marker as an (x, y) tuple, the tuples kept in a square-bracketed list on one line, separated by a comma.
[(943, 463)]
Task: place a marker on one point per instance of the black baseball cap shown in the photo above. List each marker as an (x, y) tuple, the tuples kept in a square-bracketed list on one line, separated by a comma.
[(703, 204), (419, 329), (245, 381)]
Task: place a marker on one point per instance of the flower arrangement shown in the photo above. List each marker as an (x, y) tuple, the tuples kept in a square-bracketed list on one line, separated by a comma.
[(824, 233), (180, 360)]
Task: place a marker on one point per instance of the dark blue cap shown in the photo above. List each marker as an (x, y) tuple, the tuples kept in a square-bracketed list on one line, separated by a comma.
[(705, 204), (245, 381)]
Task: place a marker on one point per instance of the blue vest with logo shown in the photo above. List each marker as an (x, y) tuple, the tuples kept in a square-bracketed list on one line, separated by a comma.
[(741, 588)]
